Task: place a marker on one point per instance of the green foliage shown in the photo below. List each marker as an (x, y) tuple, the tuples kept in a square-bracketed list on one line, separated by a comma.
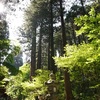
[(83, 61), (89, 25), (12, 69), (36, 87), (3, 71), (4, 43), (60, 85), (3, 78), (25, 70), (78, 56), (14, 51), (13, 89), (9, 60), (21, 87)]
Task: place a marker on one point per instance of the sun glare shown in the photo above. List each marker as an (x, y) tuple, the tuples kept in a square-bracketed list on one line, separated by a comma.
[(1, 7)]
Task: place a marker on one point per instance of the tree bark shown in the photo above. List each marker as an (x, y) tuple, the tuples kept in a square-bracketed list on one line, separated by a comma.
[(49, 54), (83, 8), (39, 50), (51, 39), (66, 74), (33, 55)]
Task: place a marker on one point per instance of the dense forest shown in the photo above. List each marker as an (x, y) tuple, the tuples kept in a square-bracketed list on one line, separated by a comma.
[(60, 39)]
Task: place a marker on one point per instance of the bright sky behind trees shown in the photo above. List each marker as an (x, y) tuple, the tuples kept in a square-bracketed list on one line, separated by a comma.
[(15, 14), (1, 7)]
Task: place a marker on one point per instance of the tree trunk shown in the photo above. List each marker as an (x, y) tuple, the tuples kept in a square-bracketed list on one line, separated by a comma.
[(33, 55), (67, 85), (66, 74), (49, 54), (39, 50), (51, 40), (63, 27), (83, 8)]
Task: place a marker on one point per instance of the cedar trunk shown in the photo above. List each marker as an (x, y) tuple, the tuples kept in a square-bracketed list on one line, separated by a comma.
[(39, 51), (52, 65), (66, 74), (49, 54), (33, 55)]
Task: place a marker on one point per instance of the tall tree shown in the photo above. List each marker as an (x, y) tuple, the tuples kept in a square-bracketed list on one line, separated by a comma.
[(33, 55), (39, 49), (66, 74), (37, 17), (52, 65)]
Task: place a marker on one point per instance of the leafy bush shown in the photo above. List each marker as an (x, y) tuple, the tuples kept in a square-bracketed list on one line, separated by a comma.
[(83, 61), (22, 88)]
